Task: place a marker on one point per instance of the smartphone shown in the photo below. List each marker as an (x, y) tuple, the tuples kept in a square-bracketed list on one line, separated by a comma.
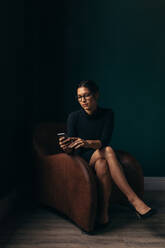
[(62, 135)]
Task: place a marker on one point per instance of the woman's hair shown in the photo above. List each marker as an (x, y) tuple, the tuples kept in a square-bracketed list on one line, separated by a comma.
[(89, 84)]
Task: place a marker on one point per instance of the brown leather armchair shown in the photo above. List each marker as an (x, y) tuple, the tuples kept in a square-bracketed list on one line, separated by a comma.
[(68, 184)]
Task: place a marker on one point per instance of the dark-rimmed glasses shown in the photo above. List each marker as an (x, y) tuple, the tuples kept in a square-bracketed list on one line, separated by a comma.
[(85, 96)]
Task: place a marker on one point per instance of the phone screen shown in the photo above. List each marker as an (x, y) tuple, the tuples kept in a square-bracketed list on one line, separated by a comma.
[(62, 135)]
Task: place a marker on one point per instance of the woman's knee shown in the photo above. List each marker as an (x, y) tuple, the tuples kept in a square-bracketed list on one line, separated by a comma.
[(96, 156), (101, 167), (109, 151)]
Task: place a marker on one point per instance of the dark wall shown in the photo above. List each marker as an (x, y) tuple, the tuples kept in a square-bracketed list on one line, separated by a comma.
[(12, 99), (44, 45), (31, 77)]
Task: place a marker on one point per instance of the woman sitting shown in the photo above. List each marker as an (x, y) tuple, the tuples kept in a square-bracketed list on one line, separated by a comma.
[(89, 130)]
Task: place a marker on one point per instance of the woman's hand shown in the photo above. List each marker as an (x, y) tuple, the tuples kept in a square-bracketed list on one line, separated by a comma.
[(65, 142), (77, 143)]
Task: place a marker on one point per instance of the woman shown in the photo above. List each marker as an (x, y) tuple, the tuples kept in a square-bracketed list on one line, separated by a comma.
[(89, 131)]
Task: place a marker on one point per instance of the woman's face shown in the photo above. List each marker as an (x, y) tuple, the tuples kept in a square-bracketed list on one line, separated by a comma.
[(87, 101)]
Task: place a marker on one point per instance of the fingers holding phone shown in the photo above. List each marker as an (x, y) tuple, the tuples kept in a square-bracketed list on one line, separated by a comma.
[(65, 141), (62, 140)]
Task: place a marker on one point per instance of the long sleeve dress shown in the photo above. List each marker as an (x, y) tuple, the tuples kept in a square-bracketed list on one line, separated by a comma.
[(98, 126)]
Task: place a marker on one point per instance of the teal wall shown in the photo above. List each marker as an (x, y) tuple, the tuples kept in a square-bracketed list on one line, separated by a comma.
[(120, 44)]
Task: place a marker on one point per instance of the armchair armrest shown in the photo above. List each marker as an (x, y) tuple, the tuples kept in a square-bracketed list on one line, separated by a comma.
[(68, 184)]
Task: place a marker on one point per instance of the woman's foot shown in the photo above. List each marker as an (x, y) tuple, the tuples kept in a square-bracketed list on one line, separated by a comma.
[(103, 219), (151, 212), (102, 223), (140, 206), (141, 209)]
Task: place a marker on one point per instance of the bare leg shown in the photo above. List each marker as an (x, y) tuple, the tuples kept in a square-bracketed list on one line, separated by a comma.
[(121, 181), (103, 174), (119, 178)]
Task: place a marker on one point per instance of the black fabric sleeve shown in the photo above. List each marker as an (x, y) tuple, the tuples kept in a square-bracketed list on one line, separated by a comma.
[(107, 129), (71, 125)]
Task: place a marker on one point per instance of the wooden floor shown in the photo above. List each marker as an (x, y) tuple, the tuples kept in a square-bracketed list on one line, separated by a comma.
[(41, 228)]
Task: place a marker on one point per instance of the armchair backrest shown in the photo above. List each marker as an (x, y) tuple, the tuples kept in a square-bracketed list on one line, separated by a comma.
[(45, 138)]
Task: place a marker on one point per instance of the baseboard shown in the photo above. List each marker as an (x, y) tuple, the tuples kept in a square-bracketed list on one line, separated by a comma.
[(6, 204), (154, 183)]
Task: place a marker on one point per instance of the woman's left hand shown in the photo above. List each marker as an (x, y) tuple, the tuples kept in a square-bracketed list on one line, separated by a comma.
[(78, 143)]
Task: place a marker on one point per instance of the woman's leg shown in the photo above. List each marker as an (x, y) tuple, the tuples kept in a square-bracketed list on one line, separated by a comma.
[(103, 174), (121, 181), (119, 178)]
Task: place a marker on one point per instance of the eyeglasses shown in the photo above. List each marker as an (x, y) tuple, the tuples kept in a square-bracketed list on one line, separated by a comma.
[(85, 96)]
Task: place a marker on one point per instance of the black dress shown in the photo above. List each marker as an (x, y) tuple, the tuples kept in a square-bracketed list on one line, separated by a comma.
[(98, 126)]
